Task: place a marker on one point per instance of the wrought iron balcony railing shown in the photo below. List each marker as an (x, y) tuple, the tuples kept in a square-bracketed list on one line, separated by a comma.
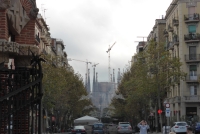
[(192, 78), (192, 37), (192, 57), (192, 98), (191, 17)]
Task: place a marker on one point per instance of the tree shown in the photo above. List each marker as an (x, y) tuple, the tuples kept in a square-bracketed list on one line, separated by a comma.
[(62, 91), (144, 86)]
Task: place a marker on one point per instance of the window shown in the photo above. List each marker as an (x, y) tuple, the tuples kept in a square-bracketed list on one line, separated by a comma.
[(193, 90), (193, 72), (192, 28), (192, 52)]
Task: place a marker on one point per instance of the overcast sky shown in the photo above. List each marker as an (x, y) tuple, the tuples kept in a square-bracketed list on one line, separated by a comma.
[(88, 27)]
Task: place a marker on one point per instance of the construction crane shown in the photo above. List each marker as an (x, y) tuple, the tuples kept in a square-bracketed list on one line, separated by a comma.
[(108, 51), (94, 82), (86, 75)]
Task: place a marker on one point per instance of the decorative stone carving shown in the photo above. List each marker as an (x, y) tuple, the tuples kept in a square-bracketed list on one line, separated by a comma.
[(11, 47), (25, 50), (17, 17), (4, 4), (34, 11)]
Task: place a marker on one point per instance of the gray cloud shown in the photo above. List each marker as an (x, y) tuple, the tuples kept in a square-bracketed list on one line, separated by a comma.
[(87, 27)]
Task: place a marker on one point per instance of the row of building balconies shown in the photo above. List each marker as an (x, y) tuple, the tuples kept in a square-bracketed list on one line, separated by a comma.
[(188, 38), (190, 98), (45, 37), (189, 18)]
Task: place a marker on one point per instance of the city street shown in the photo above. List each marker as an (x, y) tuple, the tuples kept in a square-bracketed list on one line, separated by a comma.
[(99, 66)]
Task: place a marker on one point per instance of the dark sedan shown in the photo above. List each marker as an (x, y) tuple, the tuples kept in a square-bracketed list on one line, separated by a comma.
[(78, 130), (197, 127)]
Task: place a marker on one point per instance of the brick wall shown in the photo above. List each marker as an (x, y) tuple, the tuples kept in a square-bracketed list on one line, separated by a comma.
[(27, 35), (3, 25)]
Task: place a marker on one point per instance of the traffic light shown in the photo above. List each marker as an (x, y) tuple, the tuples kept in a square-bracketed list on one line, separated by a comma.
[(159, 111)]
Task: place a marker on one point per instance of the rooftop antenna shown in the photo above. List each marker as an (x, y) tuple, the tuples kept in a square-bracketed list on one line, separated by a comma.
[(44, 14), (42, 9), (142, 37)]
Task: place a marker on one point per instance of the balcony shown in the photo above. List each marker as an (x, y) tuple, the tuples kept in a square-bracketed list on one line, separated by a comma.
[(192, 37), (165, 33), (46, 38), (192, 58), (175, 22), (190, 18), (192, 98), (170, 29), (192, 79)]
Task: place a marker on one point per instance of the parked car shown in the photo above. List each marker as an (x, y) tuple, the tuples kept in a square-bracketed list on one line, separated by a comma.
[(123, 123), (78, 130), (179, 127), (124, 128), (196, 127), (99, 128)]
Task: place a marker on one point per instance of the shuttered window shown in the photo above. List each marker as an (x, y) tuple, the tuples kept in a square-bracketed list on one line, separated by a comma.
[(193, 68), (192, 28)]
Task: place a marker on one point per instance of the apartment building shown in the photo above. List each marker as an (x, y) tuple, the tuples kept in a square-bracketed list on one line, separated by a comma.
[(182, 40), (157, 32), (42, 35)]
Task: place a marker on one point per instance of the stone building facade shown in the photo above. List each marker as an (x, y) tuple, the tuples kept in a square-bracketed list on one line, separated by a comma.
[(182, 39)]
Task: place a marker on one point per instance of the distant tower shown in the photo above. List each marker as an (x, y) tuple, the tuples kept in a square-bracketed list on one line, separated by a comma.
[(111, 80), (93, 88), (88, 89), (96, 88), (118, 76), (114, 75), (86, 81)]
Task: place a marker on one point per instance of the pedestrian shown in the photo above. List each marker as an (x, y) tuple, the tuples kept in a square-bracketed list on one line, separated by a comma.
[(143, 126), (189, 130)]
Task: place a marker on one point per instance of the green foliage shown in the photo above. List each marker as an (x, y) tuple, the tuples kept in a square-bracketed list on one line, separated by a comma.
[(62, 89), (151, 75)]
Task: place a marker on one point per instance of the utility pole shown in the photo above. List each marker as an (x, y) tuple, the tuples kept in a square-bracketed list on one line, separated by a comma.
[(108, 51)]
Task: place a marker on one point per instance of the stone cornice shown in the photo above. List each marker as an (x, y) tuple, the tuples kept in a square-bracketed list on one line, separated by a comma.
[(174, 4)]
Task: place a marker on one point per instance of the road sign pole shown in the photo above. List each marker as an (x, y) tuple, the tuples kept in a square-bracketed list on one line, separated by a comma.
[(167, 114)]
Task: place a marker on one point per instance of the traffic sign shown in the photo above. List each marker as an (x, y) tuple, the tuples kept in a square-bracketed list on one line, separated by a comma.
[(159, 111), (167, 105), (167, 112)]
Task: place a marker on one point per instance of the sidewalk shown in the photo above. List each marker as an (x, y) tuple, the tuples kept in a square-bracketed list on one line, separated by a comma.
[(150, 133)]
